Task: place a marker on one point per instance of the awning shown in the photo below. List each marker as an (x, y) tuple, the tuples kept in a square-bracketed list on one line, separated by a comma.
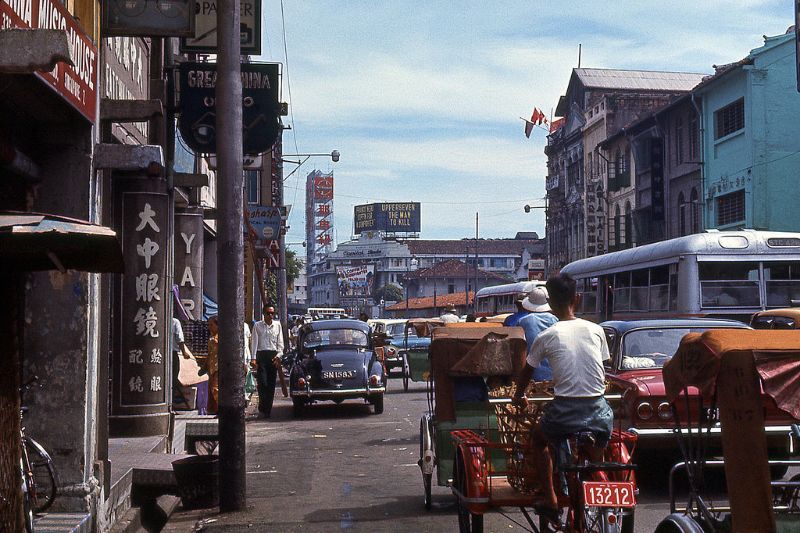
[(38, 241)]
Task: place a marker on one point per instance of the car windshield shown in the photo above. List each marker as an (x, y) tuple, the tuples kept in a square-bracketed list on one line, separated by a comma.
[(334, 337), (395, 330), (652, 347)]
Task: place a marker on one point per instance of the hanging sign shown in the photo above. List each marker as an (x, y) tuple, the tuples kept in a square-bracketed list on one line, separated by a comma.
[(148, 18), (204, 38), (260, 108), (76, 84), (266, 221)]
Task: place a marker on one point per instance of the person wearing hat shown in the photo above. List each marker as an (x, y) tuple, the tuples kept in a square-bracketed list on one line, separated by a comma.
[(539, 317), (512, 319), (450, 316)]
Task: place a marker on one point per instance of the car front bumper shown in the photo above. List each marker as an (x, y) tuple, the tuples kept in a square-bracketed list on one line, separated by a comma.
[(778, 437), (331, 394)]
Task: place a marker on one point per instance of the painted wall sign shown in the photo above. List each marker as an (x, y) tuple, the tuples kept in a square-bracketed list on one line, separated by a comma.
[(189, 244), (76, 84), (392, 217), (148, 18), (657, 179), (204, 38), (356, 281), (126, 76), (145, 332), (260, 107)]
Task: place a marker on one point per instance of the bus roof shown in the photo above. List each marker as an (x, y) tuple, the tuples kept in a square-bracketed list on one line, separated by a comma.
[(521, 287), (712, 243)]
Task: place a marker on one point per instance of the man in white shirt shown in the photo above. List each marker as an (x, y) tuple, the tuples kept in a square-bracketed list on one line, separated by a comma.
[(450, 316), (576, 349), (267, 345)]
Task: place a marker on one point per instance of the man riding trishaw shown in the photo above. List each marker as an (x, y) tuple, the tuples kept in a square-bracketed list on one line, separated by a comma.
[(575, 349)]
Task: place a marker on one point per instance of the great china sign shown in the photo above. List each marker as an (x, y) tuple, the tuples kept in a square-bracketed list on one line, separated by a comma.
[(78, 84)]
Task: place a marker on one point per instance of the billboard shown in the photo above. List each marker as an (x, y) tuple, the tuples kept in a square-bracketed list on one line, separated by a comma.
[(391, 217), (355, 281)]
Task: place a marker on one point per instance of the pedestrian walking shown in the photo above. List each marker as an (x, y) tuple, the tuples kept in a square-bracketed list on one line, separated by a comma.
[(267, 344), (179, 350)]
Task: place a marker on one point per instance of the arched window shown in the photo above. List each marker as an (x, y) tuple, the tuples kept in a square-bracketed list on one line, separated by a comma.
[(628, 226), (694, 209), (681, 214)]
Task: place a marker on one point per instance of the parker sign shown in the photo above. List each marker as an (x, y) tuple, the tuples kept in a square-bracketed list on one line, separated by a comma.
[(260, 106)]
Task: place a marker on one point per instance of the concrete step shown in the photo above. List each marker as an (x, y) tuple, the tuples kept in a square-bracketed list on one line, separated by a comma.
[(63, 523)]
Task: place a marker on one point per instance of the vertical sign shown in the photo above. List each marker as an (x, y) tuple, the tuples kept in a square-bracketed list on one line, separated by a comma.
[(145, 326), (657, 179), (126, 75), (189, 262), (797, 41)]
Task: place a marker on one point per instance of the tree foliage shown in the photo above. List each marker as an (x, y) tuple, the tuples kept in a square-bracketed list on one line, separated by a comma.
[(389, 292)]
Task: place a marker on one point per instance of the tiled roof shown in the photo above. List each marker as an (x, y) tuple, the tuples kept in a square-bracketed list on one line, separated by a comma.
[(645, 80), (452, 268), (456, 299), (485, 246)]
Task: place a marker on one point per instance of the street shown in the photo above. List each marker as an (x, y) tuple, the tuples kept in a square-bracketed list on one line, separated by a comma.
[(344, 468)]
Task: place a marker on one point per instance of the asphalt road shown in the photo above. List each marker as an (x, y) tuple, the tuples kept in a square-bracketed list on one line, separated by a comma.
[(344, 468)]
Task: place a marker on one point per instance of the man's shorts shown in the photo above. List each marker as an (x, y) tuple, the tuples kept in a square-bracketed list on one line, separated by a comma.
[(565, 416)]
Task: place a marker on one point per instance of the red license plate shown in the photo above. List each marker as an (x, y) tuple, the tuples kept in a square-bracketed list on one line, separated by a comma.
[(609, 494)]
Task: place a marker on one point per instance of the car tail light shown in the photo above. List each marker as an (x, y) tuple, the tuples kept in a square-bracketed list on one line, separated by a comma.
[(374, 380), (391, 352), (644, 411), (612, 518), (301, 383), (664, 411)]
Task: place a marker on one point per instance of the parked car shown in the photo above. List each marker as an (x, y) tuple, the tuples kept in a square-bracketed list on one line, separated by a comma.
[(787, 318), (639, 349), (336, 361)]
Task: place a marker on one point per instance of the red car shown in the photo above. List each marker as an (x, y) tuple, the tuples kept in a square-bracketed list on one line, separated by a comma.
[(639, 349)]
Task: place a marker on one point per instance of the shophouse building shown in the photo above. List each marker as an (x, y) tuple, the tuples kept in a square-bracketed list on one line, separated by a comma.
[(750, 124), (596, 104)]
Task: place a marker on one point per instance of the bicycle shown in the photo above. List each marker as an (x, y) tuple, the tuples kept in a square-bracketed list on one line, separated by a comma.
[(39, 478)]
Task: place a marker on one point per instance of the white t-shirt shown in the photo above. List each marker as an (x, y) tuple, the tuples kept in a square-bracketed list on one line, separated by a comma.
[(576, 350)]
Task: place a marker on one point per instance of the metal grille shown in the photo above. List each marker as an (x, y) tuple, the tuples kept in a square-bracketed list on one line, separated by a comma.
[(729, 119), (730, 208)]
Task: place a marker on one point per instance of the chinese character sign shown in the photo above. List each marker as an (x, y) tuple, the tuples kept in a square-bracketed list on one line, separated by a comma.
[(145, 326)]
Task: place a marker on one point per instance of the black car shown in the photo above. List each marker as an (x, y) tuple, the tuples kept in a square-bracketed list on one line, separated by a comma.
[(336, 361)]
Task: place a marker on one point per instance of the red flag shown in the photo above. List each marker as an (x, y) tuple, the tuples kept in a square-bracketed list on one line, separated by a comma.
[(528, 128)]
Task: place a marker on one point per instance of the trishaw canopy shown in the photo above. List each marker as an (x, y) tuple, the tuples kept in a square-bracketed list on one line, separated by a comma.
[(733, 366), (472, 349), (423, 327)]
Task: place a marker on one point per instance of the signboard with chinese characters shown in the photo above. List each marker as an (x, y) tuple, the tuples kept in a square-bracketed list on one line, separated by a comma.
[(204, 39), (76, 84), (189, 244), (148, 18), (126, 75), (145, 326), (391, 217), (657, 179), (260, 106), (319, 215), (356, 281)]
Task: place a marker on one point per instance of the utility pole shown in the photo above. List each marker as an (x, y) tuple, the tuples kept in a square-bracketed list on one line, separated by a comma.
[(475, 287), (230, 260)]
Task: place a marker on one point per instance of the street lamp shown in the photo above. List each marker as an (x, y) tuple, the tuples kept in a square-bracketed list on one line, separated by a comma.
[(334, 155), (413, 262)]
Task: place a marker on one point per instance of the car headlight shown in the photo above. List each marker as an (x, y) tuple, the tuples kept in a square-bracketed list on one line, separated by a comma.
[(644, 411), (664, 411)]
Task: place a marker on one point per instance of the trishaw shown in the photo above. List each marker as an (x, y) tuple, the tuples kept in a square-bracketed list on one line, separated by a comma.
[(416, 343), (736, 372), (478, 443)]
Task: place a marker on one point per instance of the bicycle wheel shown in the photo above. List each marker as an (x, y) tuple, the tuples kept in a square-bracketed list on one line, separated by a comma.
[(44, 483)]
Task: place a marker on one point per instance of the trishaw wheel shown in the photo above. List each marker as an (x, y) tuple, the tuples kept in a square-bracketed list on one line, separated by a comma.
[(405, 381), (377, 404), (467, 521), (426, 481), (406, 373)]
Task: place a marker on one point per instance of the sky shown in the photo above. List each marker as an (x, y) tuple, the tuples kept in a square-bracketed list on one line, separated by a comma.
[(423, 99)]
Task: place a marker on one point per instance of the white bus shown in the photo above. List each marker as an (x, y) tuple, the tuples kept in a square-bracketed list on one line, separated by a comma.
[(730, 274), (320, 313), (500, 299)]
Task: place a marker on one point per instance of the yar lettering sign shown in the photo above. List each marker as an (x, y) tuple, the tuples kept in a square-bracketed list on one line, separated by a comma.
[(76, 84), (260, 106)]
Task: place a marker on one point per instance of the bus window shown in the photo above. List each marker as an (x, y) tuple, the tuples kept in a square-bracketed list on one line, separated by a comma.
[(622, 291), (783, 283), (589, 296), (640, 282), (729, 284), (659, 288)]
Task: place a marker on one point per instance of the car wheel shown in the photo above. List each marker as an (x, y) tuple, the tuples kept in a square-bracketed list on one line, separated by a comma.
[(298, 406), (377, 403)]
